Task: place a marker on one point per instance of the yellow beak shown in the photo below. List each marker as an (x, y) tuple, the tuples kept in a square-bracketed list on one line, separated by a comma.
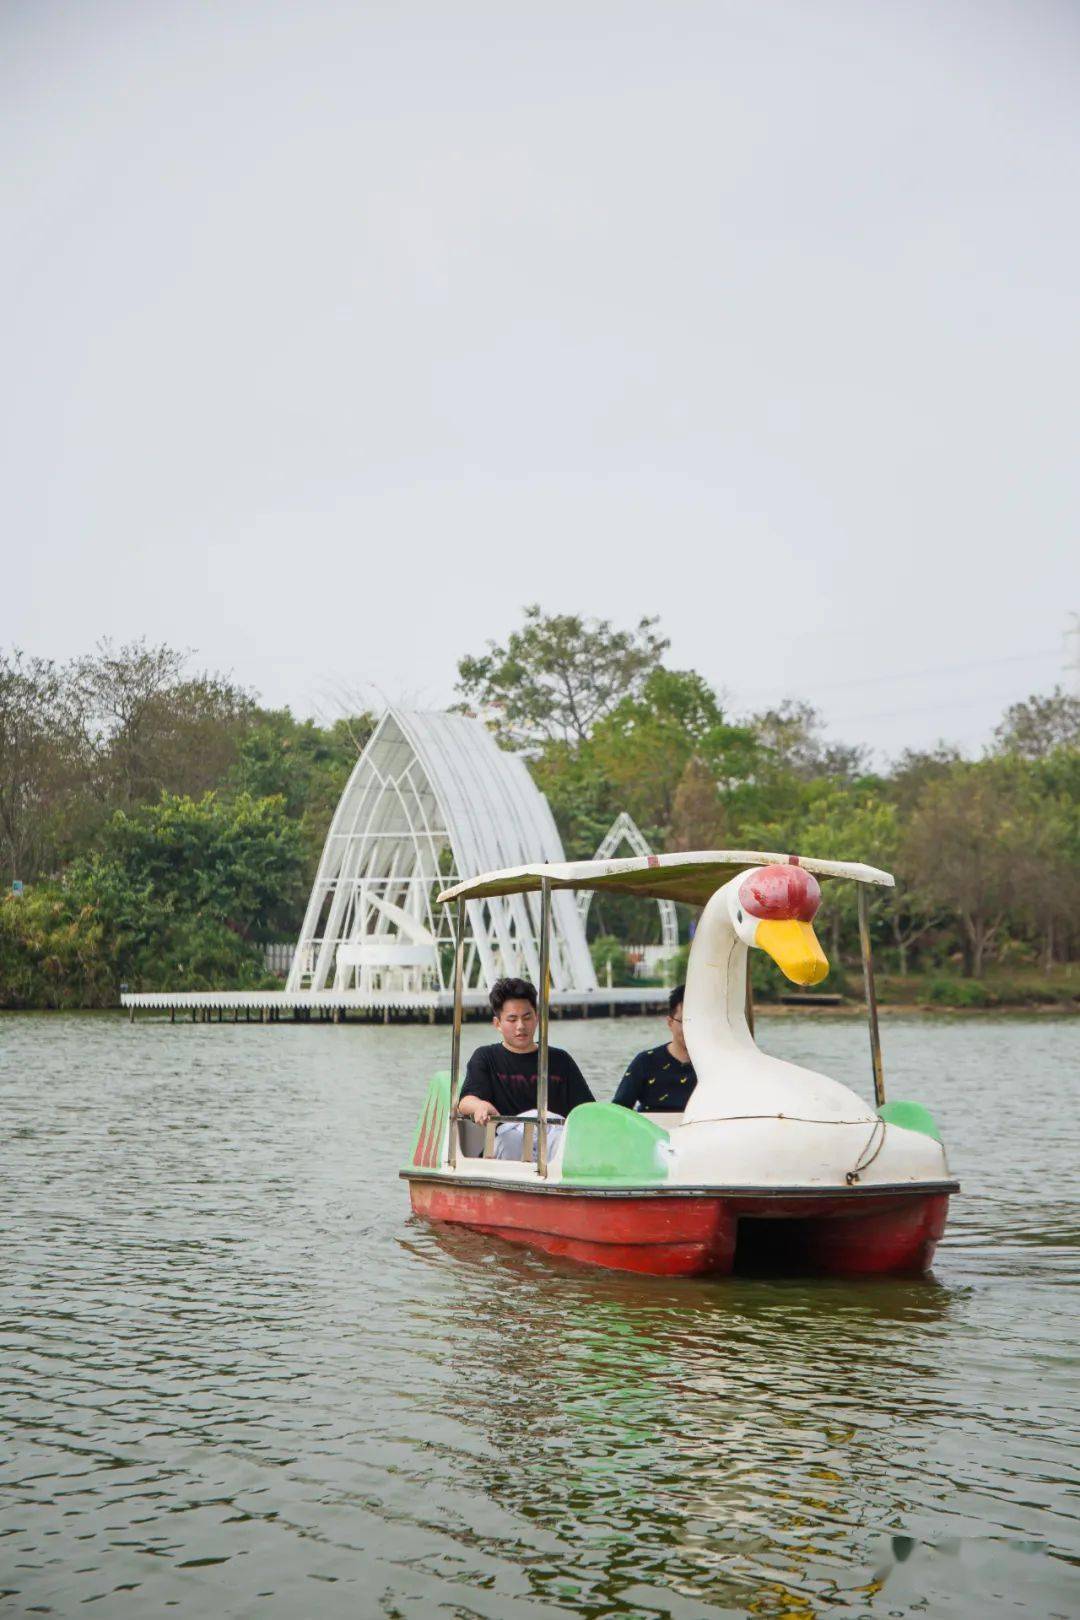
[(794, 948)]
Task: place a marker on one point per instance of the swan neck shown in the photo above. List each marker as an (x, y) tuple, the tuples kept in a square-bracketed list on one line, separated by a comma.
[(714, 1007)]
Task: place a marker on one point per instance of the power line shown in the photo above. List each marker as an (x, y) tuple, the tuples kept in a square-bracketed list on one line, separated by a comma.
[(923, 708), (909, 675)]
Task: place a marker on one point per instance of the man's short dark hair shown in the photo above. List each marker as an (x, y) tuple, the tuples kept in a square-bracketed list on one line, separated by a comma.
[(675, 1000), (504, 990)]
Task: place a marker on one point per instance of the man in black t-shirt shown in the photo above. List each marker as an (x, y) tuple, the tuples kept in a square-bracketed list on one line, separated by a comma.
[(660, 1081), (501, 1079)]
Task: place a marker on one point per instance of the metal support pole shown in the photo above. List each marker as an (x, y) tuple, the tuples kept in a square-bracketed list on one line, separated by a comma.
[(871, 995), (455, 1037), (545, 1002)]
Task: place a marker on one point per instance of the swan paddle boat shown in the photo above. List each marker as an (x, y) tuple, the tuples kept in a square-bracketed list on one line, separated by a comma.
[(769, 1161)]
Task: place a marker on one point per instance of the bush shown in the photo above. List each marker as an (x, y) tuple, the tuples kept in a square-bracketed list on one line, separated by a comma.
[(607, 950), (1033, 990), (959, 993), (177, 898), (67, 945), (53, 952), (896, 991), (238, 861)]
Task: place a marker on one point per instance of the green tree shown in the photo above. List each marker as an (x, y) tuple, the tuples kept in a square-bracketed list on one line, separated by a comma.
[(958, 852), (645, 745), (40, 764), (792, 736), (1040, 726), (1041, 833), (557, 676), (237, 860), (152, 728), (303, 764), (790, 763), (858, 823), (698, 818), (583, 800), (178, 895), (300, 762), (915, 769), (155, 940)]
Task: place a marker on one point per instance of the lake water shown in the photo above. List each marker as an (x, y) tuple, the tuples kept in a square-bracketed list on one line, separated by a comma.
[(238, 1378)]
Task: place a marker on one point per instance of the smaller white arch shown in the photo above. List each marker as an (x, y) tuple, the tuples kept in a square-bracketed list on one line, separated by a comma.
[(625, 830)]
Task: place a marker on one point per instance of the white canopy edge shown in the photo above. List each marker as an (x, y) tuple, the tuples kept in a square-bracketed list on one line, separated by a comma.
[(690, 877)]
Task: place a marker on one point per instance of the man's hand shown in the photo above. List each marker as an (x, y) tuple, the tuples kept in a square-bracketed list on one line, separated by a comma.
[(478, 1109)]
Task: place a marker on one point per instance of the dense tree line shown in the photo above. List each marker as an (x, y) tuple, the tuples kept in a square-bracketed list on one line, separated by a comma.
[(986, 852), (165, 825)]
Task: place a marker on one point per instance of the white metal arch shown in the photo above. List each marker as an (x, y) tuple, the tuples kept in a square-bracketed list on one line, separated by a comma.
[(625, 830), (431, 801)]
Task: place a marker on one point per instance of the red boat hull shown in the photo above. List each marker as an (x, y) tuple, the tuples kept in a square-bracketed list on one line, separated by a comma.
[(696, 1233)]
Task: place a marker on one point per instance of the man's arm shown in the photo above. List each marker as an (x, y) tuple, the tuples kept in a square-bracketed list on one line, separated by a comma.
[(475, 1101), (477, 1108)]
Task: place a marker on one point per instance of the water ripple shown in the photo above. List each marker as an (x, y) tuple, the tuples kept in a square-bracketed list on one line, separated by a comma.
[(239, 1378)]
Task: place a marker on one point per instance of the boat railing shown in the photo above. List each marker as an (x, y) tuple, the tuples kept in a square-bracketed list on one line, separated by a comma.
[(862, 878), (467, 1128), (544, 1011)]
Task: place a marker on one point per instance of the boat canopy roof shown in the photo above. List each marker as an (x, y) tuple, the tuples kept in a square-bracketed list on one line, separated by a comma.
[(692, 877)]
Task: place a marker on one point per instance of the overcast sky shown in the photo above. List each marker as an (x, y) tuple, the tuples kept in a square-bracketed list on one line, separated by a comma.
[(334, 333)]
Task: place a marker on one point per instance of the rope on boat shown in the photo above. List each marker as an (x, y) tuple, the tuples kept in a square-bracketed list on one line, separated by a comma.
[(871, 1147), (797, 1119), (866, 1158)]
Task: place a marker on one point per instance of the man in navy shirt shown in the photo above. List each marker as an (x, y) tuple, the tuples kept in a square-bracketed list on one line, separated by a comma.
[(660, 1081), (502, 1079)]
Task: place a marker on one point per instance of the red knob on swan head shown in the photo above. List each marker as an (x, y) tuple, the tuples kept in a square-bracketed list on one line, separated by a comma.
[(780, 893)]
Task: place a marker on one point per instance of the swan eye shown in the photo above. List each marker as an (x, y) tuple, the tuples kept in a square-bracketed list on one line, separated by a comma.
[(738, 916)]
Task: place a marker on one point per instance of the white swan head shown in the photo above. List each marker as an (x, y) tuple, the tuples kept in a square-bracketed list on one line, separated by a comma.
[(772, 908)]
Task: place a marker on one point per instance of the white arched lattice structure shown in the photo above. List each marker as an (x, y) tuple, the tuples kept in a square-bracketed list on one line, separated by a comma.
[(625, 830), (432, 801)]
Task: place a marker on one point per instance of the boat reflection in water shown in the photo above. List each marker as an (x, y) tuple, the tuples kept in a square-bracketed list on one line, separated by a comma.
[(738, 1434)]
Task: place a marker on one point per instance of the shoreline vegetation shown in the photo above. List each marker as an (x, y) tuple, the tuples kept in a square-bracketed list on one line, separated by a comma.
[(160, 827), (848, 1008)]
